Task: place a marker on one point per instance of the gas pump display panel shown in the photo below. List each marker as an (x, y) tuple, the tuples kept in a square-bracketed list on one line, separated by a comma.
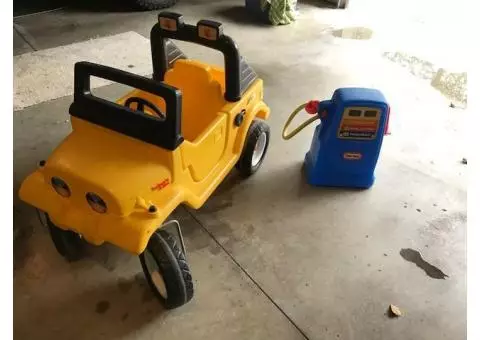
[(359, 123)]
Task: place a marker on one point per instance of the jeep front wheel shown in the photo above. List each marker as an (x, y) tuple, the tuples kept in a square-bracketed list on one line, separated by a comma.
[(167, 271), (69, 244)]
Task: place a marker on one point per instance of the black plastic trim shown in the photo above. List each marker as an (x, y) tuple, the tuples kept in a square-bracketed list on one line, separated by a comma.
[(163, 133), (159, 38)]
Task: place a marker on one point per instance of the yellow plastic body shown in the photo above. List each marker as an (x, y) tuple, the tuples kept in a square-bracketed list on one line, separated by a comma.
[(131, 175)]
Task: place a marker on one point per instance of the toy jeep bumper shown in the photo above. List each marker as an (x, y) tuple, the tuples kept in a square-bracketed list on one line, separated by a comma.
[(130, 232)]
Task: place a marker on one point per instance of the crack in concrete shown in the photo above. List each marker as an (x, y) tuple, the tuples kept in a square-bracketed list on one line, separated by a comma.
[(247, 274), (29, 40)]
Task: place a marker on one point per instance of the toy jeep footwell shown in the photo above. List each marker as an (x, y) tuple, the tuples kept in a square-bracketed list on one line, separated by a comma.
[(128, 164)]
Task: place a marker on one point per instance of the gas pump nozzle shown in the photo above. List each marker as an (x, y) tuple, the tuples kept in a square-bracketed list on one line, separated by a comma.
[(314, 107)]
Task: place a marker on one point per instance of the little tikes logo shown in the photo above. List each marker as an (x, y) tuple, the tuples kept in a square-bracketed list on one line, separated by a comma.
[(352, 156), (161, 185)]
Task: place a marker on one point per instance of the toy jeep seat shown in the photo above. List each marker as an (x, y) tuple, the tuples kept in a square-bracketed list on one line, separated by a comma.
[(202, 95)]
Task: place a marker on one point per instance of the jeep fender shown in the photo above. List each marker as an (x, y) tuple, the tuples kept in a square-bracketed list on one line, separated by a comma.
[(262, 111)]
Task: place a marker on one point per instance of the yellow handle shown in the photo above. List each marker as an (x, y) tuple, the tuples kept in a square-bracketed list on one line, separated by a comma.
[(286, 135)]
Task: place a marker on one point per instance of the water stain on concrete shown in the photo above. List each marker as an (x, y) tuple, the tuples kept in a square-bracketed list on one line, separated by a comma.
[(268, 220), (102, 256), (215, 249), (140, 279), (357, 33), (418, 67), (124, 285), (22, 232), (452, 85), (414, 256), (220, 229), (147, 295), (250, 229), (21, 254), (36, 267), (446, 224), (216, 205), (446, 228), (197, 238), (102, 307)]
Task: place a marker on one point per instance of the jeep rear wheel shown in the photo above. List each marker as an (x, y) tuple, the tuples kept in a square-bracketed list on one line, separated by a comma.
[(167, 271), (255, 148)]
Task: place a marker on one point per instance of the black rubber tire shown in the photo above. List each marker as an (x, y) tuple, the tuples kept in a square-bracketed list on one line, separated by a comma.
[(244, 164), (173, 267), (343, 4), (151, 5), (68, 243)]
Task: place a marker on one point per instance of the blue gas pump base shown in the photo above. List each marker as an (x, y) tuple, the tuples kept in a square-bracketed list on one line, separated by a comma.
[(346, 144), (324, 178)]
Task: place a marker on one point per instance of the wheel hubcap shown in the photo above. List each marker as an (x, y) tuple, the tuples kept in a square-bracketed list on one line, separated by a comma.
[(259, 149), (154, 272)]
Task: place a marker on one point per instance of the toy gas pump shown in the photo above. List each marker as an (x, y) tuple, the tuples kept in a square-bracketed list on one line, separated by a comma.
[(346, 144)]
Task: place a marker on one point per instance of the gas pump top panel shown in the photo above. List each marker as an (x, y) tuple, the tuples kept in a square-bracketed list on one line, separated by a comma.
[(359, 123), (361, 113)]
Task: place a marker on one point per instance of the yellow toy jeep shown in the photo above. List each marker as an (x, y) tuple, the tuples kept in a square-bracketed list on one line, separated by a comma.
[(128, 164)]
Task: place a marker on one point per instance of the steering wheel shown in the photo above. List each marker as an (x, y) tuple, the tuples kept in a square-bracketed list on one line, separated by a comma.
[(141, 103)]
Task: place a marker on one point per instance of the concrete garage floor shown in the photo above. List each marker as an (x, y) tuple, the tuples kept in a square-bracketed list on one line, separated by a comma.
[(271, 256)]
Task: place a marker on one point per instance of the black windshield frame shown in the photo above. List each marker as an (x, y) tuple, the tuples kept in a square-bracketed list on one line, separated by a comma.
[(165, 133)]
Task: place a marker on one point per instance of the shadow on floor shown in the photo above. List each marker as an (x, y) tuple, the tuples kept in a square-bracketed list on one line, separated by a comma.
[(285, 184), (24, 226), (241, 15), (319, 4), (110, 6)]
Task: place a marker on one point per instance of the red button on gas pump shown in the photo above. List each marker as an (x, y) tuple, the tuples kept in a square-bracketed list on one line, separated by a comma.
[(312, 107)]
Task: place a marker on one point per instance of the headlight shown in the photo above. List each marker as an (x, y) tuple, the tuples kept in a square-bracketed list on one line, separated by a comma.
[(96, 203), (61, 187)]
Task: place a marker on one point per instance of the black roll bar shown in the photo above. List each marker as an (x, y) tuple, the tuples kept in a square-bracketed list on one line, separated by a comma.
[(190, 33)]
